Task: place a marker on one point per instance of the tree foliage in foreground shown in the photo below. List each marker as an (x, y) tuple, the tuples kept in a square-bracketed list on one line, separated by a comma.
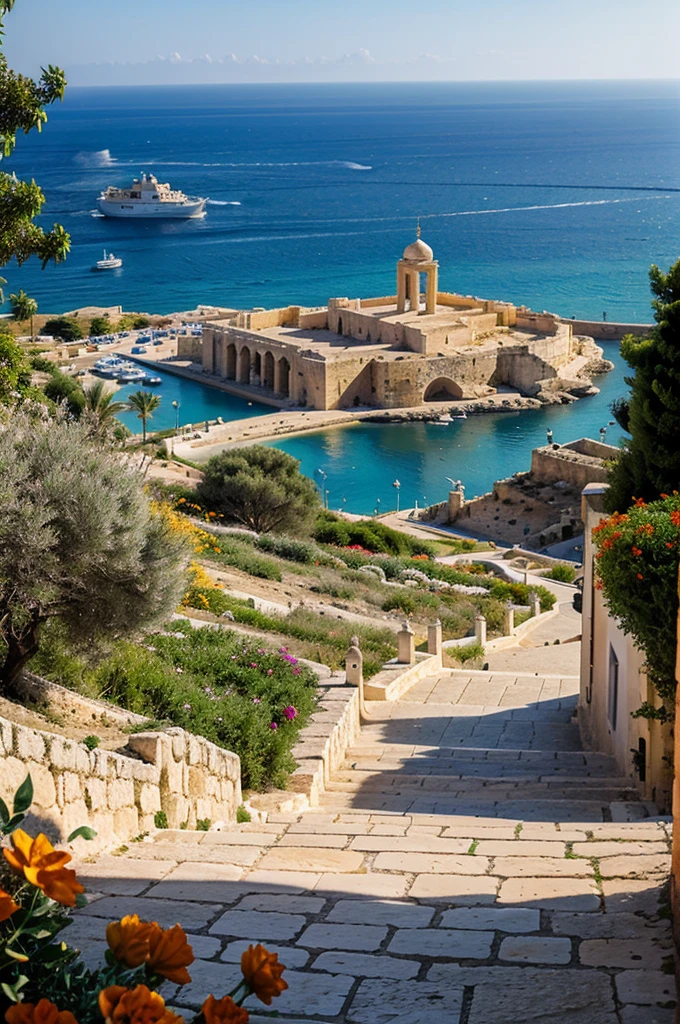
[(650, 461), (22, 103), (79, 542), (261, 488)]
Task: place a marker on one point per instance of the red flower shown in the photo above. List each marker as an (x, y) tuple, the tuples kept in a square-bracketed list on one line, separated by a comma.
[(636, 551), (640, 576), (675, 518), (640, 503)]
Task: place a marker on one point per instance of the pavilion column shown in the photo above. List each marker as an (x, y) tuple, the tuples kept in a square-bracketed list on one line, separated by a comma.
[(431, 295), (415, 290), (277, 376), (401, 289)]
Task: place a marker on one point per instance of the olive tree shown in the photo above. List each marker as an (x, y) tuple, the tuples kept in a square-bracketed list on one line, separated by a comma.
[(261, 488), (79, 542)]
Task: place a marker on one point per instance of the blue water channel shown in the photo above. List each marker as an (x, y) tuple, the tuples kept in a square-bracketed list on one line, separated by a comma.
[(358, 464)]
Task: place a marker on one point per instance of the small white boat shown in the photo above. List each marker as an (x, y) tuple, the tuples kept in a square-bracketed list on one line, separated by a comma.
[(444, 420), (109, 262), (153, 381), (462, 415)]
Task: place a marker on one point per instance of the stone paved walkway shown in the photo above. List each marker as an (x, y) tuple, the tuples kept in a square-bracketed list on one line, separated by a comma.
[(468, 865)]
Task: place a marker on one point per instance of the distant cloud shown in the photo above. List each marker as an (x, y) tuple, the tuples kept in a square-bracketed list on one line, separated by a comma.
[(176, 68)]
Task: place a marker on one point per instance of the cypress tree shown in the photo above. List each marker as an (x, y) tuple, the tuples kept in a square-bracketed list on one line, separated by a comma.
[(649, 464)]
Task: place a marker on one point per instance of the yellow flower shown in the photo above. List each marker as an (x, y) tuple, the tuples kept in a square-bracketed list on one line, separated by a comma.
[(43, 866), (262, 973)]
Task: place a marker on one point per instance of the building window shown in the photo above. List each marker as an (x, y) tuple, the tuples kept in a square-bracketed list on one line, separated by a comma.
[(613, 696)]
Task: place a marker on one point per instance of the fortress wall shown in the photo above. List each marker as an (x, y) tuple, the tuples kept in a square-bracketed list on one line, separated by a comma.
[(312, 318), (549, 465), (190, 347), (403, 383), (596, 449), (544, 323), (604, 330), (383, 300)]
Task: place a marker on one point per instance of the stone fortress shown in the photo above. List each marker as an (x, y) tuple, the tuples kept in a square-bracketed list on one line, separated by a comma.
[(397, 351)]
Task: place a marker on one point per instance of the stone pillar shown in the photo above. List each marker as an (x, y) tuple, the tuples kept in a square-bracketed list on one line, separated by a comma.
[(354, 664), (208, 351), (406, 645), (455, 504), (434, 638), (414, 290), (401, 289), (535, 602), (431, 294), (480, 629), (277, 376), (508, 620)]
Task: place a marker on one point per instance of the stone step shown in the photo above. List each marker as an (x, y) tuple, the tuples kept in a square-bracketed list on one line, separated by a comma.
[(388, 779), (479, 769)]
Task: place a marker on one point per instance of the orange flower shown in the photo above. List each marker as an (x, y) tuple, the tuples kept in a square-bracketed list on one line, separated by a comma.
[(675, 518), (636, 551), (646, 528), (640, 503), (44, 1012), (640, 576), (128, 940), (262, 973), (170, 954), (223, 1011), (7, 905), (138, 1005), (43, 866)]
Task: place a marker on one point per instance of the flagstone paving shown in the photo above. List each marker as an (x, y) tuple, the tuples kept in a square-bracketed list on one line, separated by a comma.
[(469, 864)]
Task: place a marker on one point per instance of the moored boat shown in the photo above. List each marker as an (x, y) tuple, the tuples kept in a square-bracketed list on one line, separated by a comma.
[(109, 262)]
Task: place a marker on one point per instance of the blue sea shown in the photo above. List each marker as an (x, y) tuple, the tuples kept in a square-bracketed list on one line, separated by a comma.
[(557, 195)]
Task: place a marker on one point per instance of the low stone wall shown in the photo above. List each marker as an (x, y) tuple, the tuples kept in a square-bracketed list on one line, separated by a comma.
[(118, 793), (605, 330), (322, 744)]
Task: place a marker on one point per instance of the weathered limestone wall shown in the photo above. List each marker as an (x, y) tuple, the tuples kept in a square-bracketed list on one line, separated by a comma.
[(609, 696), (525, 366), (550, 465), (607, 331), (118, 793), (190, 347)]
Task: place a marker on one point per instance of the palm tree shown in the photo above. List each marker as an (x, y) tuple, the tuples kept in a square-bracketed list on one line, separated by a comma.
[(146, 403), (24, 308), (100, 406)]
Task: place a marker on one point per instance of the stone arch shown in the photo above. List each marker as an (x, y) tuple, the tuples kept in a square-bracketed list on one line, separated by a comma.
[(257, 368), (339, 325), (284, 377), (268, 371), (244, 365), (231, 362), (443, 389)]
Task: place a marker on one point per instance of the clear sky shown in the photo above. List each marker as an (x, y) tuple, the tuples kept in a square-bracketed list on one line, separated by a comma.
[(344, 40)]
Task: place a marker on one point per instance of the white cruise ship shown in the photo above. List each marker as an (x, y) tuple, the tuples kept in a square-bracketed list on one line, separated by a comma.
[(149, 198)]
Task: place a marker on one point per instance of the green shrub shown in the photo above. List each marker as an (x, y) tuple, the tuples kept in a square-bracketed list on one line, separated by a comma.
[(91, 742), (240, 555), (469, 652), (203, 824), (41, 364), (518, 593), (64, 327), (242, 815), (561, 573), (160, 819), (286, 547), (369, 534)]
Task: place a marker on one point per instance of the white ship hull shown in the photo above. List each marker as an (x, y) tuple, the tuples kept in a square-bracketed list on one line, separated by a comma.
[(152, 210)]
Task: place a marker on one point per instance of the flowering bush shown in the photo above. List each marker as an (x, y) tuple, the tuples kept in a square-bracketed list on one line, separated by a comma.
[(637, 570), (45, 982)]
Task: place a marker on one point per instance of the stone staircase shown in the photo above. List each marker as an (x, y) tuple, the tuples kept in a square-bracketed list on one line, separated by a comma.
[(445, 748)]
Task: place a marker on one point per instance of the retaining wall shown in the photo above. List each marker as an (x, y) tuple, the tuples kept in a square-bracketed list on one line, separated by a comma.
[(118, 792)]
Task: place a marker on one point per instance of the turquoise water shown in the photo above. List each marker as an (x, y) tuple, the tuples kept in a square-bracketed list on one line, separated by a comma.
[(361, 462), (197, 403)]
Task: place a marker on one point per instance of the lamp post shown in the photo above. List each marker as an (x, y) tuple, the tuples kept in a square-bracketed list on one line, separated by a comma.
[(175, 406), (396, 486), (549, 435), (603, 434)]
